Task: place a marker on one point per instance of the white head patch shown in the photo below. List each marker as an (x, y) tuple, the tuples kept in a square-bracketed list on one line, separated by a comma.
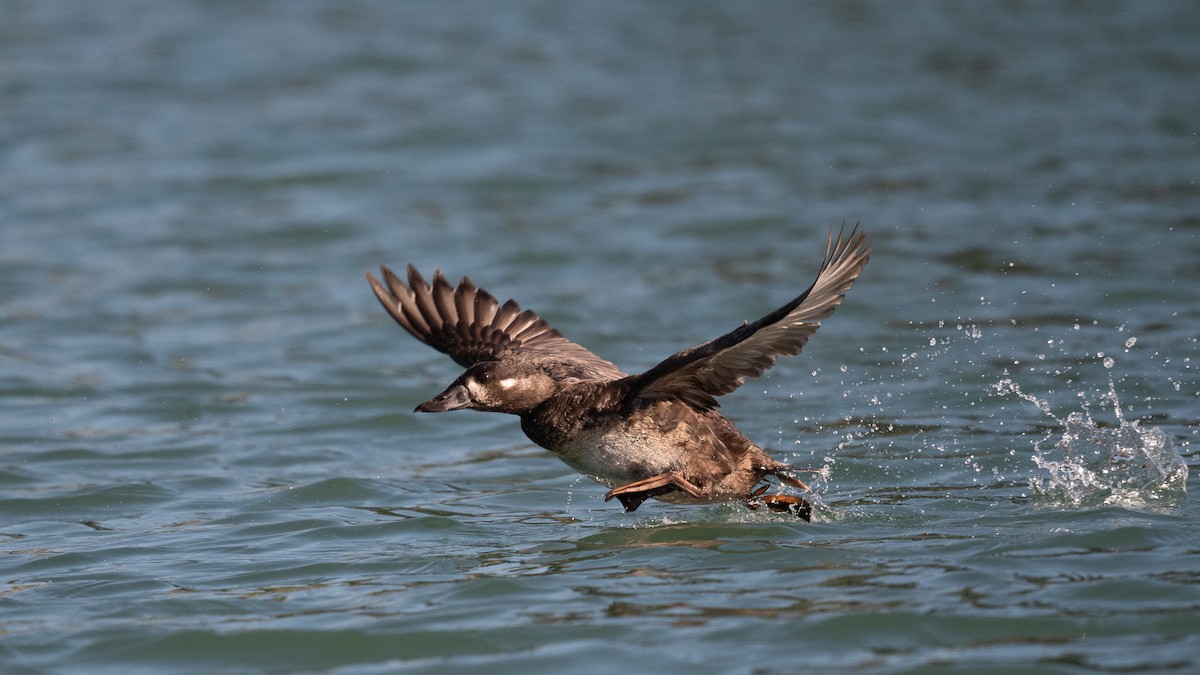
[(508, 383)]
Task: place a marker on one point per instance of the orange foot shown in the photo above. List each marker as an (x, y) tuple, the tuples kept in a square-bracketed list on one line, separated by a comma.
[(632, 495), (780, 503), (787, 504)]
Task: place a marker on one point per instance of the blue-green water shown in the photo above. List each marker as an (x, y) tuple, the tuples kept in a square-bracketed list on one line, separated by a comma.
[(207, 459)]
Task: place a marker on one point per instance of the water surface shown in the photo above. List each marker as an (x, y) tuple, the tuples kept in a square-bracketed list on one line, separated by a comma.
[(207, 459)]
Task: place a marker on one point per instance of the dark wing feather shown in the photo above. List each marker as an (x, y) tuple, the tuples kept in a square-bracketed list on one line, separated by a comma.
[(699, 374), (470, 326)]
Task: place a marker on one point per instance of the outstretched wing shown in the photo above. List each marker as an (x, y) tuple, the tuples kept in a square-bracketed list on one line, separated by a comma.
[(470, 326), (699, 374)]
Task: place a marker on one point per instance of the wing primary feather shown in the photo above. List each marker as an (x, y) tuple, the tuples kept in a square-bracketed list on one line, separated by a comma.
[(469, 325), (464, 301), (443, 300), (423, 303), (508, 312), (486, 308), (397, 299), (723, 364)]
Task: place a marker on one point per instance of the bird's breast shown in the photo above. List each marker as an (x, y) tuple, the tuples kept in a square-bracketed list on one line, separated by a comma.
[(609, 448)]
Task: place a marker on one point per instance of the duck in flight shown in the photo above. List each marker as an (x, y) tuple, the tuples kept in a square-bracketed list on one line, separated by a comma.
[(657, 434)]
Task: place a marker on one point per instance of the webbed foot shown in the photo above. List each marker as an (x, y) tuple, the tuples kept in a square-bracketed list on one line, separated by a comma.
[(788, 504), (632, 495), (796, 506)]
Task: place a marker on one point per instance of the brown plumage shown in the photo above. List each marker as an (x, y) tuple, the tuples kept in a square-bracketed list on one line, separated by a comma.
[(657, 434)]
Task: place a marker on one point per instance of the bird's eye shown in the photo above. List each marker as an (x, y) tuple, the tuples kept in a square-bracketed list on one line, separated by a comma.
[(482, 377)]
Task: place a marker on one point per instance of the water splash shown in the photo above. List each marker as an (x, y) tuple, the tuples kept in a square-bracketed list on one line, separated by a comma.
[(1128, 465)]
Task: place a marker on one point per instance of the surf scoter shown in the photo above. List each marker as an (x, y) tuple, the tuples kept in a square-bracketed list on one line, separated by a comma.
[(656, 434)]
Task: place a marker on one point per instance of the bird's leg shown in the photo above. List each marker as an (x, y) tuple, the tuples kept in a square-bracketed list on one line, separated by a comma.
[(633, 494), (781, 472), (752, 500), (788, 504), (796, 506), (794, 482)]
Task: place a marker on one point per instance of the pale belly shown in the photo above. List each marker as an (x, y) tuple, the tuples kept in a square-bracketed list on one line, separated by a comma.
[(617, 456)]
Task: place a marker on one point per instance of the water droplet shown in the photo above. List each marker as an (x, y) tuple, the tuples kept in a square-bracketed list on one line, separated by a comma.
[(1108, 362), (1130, 342)]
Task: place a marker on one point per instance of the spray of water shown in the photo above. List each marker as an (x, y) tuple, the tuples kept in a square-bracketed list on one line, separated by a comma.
[(1128, 465)]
